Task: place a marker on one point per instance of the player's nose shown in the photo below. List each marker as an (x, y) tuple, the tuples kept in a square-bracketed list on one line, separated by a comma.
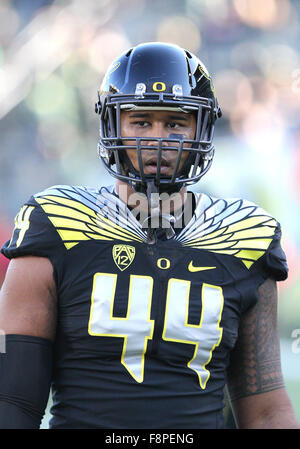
[(158, 131)]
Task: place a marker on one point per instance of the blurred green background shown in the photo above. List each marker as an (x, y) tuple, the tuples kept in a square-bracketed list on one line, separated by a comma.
[(53, 55)]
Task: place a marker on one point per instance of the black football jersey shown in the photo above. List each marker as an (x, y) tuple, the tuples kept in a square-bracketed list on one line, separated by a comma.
[(145, 331)]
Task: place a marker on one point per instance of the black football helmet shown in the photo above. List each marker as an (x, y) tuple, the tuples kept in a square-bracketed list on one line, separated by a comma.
[(152, 76)]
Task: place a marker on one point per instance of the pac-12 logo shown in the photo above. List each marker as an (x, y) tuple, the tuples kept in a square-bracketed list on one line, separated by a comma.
[(123, 255)]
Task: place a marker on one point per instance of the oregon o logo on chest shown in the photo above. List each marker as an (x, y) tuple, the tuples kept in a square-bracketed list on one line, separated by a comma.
[(163, 263)]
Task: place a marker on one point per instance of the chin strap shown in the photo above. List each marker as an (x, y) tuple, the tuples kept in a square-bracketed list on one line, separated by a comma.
[(156, 219)]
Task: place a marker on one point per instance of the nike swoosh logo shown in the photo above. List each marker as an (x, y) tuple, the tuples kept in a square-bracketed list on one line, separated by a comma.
[(195, 269)]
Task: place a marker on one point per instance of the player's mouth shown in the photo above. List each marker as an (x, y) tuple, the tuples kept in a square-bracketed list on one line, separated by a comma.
[(150, 166)]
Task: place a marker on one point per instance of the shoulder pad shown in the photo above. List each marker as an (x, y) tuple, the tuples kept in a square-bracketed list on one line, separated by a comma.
[(233, 227)]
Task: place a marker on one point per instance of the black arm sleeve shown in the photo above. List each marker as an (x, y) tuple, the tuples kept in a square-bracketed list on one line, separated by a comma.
[(25, 379)]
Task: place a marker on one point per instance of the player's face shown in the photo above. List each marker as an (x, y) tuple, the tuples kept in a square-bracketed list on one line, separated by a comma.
[(157, 124)]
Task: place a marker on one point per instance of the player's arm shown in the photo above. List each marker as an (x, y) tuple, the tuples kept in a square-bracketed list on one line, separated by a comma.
[(28, 322), (255, 382)]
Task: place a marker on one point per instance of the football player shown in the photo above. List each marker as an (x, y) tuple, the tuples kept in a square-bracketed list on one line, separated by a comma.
[(138, 303)]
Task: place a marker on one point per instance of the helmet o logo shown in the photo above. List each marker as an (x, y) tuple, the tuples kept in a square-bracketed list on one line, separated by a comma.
[(159, 86)]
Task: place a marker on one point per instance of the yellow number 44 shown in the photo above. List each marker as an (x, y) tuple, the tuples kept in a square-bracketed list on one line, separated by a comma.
[(137, 327)]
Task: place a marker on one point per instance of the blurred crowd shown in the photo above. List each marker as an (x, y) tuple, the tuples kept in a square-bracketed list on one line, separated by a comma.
[(53, 54)]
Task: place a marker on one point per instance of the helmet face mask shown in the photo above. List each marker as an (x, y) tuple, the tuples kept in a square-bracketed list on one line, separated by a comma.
[(157, 76)]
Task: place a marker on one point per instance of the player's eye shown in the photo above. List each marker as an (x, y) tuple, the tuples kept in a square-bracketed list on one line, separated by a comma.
[(141, 123), (173, 125)]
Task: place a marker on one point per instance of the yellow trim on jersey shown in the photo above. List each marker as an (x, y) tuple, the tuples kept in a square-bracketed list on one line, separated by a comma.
[(75, 222), (61, 201), (253, 244), (247, 239)]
